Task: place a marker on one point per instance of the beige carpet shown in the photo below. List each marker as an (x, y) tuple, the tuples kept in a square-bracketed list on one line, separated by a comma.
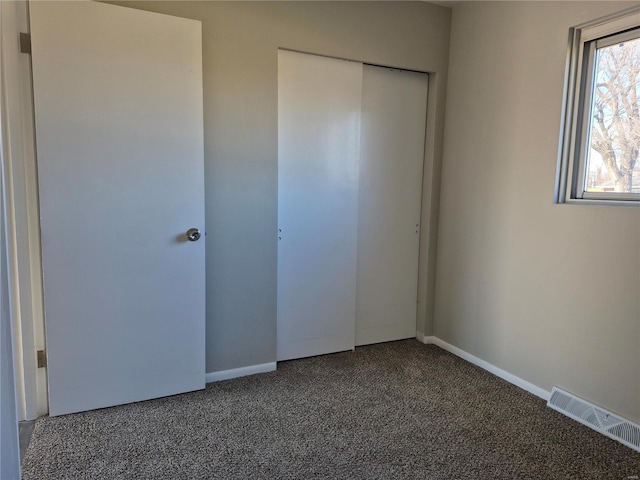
[(399, 410)]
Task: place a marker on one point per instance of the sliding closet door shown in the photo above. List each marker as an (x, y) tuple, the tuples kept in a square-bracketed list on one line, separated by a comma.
[(394, 107), (318, 150)]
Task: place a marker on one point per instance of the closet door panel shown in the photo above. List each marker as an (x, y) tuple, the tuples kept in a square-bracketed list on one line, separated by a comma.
[(319, 107), (394, 106)]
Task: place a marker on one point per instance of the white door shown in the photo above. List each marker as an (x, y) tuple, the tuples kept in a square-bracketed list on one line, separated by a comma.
[(318, 142), (394, 109), (118, 103)]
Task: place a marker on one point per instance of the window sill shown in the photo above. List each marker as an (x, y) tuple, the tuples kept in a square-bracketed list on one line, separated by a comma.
[(598, 202)]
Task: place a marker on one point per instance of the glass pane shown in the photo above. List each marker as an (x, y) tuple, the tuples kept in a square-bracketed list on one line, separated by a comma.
[(614, 140)]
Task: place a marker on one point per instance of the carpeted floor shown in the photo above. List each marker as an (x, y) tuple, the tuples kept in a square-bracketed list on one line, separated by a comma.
[(399, 410)]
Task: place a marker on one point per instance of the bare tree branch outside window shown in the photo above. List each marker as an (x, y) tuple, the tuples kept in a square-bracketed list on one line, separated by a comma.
[(615, 122)]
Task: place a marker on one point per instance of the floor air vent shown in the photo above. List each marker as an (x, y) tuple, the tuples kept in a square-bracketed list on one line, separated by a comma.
[(595, 417)]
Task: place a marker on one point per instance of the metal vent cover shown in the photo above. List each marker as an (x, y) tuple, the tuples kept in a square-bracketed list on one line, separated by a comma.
[(599, 419)]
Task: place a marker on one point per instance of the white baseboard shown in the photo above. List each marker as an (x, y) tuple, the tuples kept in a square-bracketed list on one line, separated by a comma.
[(426, 339), (240, 372), (517, 381)]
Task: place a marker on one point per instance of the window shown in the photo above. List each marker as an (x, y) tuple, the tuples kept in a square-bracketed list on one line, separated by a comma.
[(600, 138)]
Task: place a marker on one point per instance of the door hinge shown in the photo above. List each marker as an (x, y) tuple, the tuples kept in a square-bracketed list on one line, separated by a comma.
[(42, 358), (25, 43)]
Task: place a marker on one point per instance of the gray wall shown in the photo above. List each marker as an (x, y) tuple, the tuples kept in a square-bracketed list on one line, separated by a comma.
[(550, 293), (240, 42)]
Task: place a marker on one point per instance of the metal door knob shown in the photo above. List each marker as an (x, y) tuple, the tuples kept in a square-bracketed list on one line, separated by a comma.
[(193, 234)]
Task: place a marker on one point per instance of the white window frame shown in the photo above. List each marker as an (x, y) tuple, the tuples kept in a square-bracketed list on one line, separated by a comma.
[(584, 40)]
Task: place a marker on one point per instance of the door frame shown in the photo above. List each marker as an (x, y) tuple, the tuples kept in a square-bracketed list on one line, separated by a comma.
[(23, 219), (9, 431)]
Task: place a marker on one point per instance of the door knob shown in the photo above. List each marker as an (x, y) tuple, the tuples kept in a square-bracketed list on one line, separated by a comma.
[(193, 234)]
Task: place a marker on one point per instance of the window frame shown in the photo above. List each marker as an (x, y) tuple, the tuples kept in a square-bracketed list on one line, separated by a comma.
[(584, 40)]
